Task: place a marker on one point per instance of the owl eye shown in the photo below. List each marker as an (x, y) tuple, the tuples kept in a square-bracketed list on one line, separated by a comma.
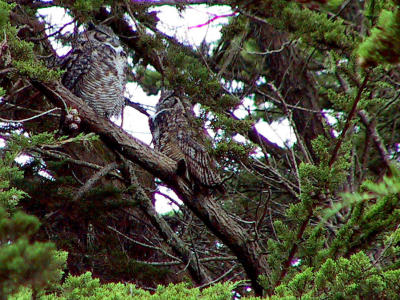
[(100, 37)]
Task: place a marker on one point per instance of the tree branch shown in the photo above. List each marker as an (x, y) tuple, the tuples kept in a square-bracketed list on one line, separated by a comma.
[(197, 272), (348, 121), (376, 138), (94, 179), (201, 203)]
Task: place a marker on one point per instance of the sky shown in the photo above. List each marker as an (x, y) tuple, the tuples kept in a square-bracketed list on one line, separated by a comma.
[(195, 24)]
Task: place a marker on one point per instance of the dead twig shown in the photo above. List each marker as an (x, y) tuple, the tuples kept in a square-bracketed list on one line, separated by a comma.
[(94, 179), (371, 128), (30, 118)]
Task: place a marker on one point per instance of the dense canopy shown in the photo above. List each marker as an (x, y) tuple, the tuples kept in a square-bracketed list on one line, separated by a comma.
[(314, 216)]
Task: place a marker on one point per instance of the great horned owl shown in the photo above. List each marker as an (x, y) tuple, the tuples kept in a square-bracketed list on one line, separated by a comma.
[(96, 70), (174, 136)]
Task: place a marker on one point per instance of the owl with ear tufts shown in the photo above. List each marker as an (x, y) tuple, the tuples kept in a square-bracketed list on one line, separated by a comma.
[(96, 70), (174, 136)]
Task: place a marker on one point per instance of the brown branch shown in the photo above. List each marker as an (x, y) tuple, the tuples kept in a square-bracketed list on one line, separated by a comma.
[(136, 106), (94, 179), (196, 270), (66, 158), (294, 248), (128, 146), (140, 243), (348, 121), (201, 203), (371, 128)]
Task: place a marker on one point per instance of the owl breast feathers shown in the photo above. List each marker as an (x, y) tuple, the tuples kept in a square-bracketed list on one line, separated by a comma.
[(174, 137), (96, 70)]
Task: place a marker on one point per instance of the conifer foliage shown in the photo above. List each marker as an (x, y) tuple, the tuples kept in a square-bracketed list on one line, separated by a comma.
[(314, 215)]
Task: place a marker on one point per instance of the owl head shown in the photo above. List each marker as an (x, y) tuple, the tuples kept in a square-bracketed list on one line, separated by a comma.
[(101, 34), (168, 104), (167, 100)]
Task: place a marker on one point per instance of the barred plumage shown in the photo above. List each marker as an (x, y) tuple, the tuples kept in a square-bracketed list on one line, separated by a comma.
[(96, 70), (173, 136)]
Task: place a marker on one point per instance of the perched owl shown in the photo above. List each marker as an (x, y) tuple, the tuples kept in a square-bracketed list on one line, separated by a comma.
[(173, 136), (96, 70)]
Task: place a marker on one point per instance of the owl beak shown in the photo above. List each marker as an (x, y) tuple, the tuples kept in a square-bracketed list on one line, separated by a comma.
[(115, 42)]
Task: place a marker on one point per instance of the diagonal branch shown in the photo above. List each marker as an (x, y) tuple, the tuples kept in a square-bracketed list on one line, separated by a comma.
[(376, 138), (94, 179), (196, 270), (350, 117), (201, 203)]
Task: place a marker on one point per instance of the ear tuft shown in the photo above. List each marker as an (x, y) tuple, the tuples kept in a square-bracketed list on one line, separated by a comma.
[(91, 26)]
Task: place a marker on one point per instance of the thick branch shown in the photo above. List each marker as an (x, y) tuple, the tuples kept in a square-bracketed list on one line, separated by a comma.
[(196, 270), (203, 205), (133, 149)]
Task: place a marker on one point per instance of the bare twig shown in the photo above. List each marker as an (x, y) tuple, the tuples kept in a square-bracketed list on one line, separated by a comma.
[(219, 278), (216, 17), (54, 33), (278, 101), (17, 107), (288, 114), (142, 244), (375, 137), (64, 157), (264, 212), (136, 106), (30, 118), (169, 198), (177, 262), (94, 179), (284, 45)]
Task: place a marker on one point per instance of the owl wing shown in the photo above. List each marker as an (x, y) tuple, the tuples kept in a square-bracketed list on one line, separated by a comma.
[(76, 63), (198, 161)]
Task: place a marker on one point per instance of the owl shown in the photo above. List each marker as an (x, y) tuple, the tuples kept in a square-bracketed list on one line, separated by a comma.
[(173, 136), (96, 70)]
